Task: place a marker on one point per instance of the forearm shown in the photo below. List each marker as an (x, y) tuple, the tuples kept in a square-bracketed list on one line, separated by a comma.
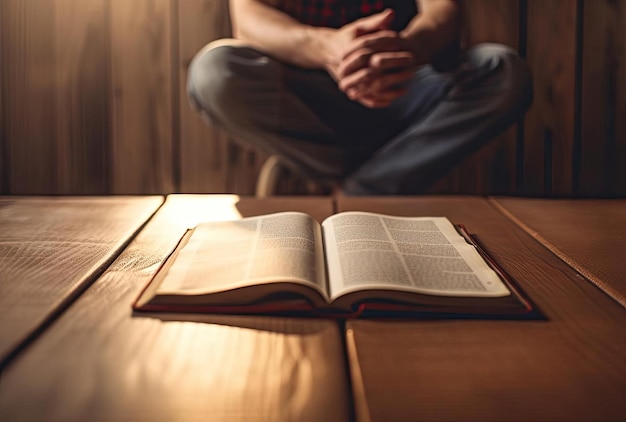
[(434, 29), (262, 26)]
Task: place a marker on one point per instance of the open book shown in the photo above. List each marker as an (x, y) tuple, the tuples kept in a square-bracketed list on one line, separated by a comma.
[(354, 262)]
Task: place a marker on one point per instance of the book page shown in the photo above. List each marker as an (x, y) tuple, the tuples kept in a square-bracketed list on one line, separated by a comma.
[(220, 256), (420, 254)]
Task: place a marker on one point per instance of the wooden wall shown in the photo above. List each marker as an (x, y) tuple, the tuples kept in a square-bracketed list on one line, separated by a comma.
[(92, 100)]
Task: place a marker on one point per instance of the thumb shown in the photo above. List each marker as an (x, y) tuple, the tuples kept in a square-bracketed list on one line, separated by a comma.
[(377, 22)]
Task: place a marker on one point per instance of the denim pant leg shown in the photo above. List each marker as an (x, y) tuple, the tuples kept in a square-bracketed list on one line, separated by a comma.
[(490, 91), (295, 113)]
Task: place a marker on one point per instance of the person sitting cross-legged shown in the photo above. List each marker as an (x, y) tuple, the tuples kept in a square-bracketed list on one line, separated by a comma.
[(373, 95)]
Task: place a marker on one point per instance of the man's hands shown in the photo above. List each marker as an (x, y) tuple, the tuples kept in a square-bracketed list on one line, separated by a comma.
[(371, 63)]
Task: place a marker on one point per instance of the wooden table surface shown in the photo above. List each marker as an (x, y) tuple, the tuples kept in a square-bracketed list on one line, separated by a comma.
[(589, 235), (51, 249), (100, 362), (570, 366)]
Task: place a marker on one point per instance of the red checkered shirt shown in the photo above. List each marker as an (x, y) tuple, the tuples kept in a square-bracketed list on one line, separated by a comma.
[(336, 13)]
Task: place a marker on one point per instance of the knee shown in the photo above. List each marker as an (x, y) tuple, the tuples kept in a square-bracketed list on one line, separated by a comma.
[(219, 75), (514, 79)]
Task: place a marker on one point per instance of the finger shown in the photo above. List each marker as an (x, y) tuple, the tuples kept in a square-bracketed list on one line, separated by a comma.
[(358, 78), (371, 103), (356, 61), (385, 81), (383, 99), (375, 22), (392, 61), (371, 84), (377, 41), (360, 52)]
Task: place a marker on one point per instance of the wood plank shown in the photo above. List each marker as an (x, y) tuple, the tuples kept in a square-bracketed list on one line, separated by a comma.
[(230, 207), (83, 96), (603, 138), (588, 235), (4, 161), (107, 364), (142, 145), (619, 188), (243, 167), (52, 249), (55, 96), (493, 168), (201, 143), (550, 125), (568, 367), (28, 95)]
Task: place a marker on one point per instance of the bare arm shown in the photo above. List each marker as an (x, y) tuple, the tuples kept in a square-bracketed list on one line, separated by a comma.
[(260, 24), (434, 29)]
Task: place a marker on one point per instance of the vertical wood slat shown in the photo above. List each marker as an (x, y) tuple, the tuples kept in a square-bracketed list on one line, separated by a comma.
[(549, 143), (242, 166), (491, 170), (54, 96), (28, 93), (82, 101), (142, 144), (4, 161), (603, 127), (619, 189), (201, 144)]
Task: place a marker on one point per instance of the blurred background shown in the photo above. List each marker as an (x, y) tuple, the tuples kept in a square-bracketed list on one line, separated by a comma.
[(92, 101)]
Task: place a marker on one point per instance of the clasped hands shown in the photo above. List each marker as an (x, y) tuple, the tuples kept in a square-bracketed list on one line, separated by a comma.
[(371, 63)]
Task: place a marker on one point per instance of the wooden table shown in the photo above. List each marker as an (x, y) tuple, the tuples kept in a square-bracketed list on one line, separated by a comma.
[(589, 235), (98, 361), (570, 366), (52, 249)]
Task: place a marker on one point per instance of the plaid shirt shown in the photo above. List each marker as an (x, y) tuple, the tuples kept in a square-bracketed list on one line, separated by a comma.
[(336, 13)]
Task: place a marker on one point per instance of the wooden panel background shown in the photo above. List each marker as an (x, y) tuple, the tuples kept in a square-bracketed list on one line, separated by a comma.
[(603, 127), (550, 124), (142, 100), (92, 100)]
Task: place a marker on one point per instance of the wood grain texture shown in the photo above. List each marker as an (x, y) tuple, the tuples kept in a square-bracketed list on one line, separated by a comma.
[(82, 88), (550, 125), (603, 128), (142, 144), (568, 367), (51, 249), (107, 364), (493, 168), (4, 161), (92, 101), (55, 94), (28, 94), (201, 143), (589, 235)]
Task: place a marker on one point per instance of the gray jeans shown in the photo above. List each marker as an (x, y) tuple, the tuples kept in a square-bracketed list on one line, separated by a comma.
[(302, 116)]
